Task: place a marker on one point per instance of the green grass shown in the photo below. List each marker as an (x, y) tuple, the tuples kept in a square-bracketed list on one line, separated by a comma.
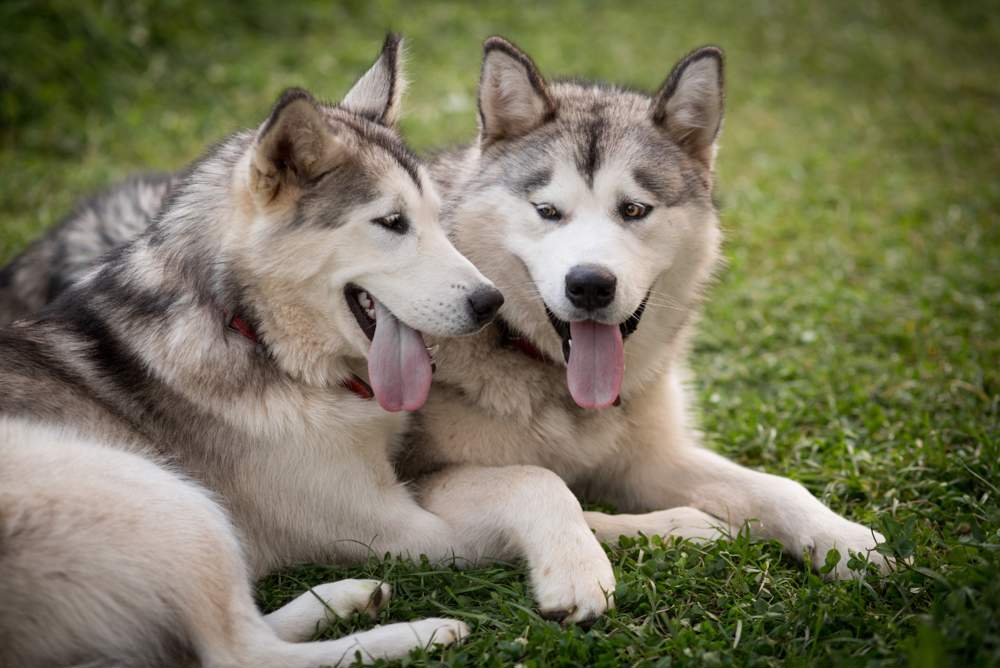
[(852, 342)]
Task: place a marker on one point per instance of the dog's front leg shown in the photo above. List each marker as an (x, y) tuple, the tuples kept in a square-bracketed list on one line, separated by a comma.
[(775, 507), (664, 467), (527, 512)]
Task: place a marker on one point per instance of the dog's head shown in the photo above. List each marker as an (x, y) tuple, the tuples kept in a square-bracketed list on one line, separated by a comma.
[(343, 239), (591, 206)]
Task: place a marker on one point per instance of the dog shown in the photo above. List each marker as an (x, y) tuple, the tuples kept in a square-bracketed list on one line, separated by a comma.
[(221, 396), (591, 208)]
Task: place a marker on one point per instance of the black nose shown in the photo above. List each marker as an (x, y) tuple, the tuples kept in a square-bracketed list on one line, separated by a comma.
[(484, 304), (590, 286)]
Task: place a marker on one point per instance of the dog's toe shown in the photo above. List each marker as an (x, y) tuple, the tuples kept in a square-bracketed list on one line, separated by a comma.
[(847, 538), (346, 597), (439, 631), (576, 593)]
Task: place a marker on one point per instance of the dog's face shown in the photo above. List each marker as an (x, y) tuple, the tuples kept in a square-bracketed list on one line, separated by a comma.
[(346, 230), (600, 194)]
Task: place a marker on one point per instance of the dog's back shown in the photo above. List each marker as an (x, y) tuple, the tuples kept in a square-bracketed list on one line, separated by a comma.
[(58, 259)]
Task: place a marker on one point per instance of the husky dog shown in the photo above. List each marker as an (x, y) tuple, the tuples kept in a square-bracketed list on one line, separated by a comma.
[(590, 207), (193, 412)]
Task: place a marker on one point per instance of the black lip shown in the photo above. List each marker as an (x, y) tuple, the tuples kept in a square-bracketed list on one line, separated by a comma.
[(627, 326), (367, 325)]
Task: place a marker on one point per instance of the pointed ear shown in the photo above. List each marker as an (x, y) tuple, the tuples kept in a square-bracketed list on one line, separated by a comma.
[(377, 94), (293, 146), (513, 97), (689, 104)]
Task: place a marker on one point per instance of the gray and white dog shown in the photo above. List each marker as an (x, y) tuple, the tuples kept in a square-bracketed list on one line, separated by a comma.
[(193, 411)]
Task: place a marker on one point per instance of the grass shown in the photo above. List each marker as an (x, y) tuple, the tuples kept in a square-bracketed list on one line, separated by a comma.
[(852, 342)]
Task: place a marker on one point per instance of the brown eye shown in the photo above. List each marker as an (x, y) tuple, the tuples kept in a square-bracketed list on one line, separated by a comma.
[(394, 222), (548, 212), (634, 210)]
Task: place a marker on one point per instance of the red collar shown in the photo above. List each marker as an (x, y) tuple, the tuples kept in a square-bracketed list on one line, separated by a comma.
[(353, 383), (510, 338), (243, 327)]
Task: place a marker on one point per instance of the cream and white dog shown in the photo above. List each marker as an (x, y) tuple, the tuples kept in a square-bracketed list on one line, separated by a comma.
[(590, 206)]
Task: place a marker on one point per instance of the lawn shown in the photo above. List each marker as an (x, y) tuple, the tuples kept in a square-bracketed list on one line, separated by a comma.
[(852, 341)]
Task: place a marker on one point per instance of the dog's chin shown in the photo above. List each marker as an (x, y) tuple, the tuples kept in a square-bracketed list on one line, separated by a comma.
[(628, 326)]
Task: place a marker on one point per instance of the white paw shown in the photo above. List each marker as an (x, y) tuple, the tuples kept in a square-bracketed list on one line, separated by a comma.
[(847, 538), (574, 581), (346, 597), (438, 631), (686, 522), (303, 617)]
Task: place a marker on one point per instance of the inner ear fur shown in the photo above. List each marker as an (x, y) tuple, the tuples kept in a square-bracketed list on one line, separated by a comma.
[(689, 104), (378, 94), (294, 146), (513, 97)]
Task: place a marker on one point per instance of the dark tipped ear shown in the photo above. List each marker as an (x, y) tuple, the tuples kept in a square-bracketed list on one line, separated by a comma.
[(689, 104), (513, 97), (293, 146), (377, 94)]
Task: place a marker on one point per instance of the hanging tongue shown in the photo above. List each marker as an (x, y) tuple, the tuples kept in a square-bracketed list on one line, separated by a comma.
[(596, 363), (398, 365)]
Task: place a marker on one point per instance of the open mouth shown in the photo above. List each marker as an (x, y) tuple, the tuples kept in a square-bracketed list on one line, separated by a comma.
[(362, 308), (399, 364), (595, 356), (563, 329)]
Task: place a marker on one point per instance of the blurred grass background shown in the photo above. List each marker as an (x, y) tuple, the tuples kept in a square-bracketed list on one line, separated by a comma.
[(852, 342)]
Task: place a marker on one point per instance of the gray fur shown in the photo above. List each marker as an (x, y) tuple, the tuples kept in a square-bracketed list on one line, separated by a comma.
[(51, 264)]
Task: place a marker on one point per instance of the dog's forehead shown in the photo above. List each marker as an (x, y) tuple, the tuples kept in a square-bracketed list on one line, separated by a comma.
[(604, 137), (601, 125), (376, 145)]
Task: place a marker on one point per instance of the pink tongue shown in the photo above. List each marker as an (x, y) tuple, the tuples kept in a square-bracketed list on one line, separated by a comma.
[(398, 365), (596, 363)]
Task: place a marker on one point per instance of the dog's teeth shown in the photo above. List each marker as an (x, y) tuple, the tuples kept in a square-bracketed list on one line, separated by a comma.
[(367, 304)]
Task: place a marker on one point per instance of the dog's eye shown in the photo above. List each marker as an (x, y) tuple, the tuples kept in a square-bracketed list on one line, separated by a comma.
[(548, 212), (634, 210), (394, 222)]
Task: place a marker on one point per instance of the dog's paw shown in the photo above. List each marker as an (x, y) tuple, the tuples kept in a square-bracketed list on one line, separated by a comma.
[(574, 582), (846, 538), (346, 597), (438, 631), (312, 611)]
